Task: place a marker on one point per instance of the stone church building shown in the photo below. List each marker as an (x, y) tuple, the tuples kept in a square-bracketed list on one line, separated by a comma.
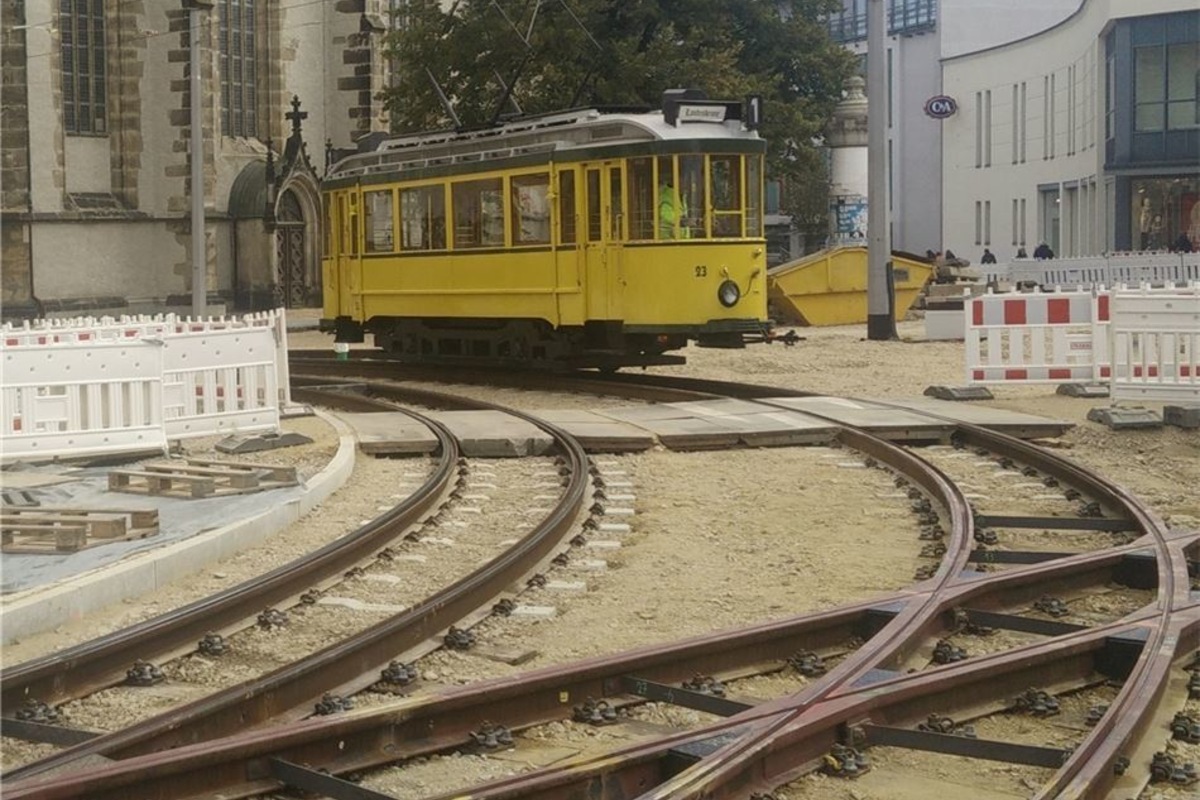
[(96, 173)]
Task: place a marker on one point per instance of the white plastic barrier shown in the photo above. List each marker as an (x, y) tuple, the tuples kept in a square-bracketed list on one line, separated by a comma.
[(1156, 346), (75, 330), (220, 381), (93, 397), (84, 386), (1088, 272), (1056, 337)]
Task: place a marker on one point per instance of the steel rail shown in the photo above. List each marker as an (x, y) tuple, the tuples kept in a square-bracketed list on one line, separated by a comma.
[(236, 766), (96, 664), (1149, 682), (1187, 629), (346, 665)]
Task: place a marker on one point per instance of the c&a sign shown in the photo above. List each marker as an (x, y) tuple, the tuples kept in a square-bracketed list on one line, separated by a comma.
[(941, 106)]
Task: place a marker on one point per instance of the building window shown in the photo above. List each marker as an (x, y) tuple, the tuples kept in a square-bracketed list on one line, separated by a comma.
[(1165, 87), (912, 16), (904, 17), (239, 69), (81, 23), (978, 222)]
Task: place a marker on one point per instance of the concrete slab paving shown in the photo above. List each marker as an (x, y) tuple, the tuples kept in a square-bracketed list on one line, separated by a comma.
[(1014, 423), (598, 434), (897, 424), (494, 434), (390, 433), (712, 424)]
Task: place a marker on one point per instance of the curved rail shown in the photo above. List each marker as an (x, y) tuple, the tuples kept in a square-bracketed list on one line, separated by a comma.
[(349, 665), (102, 662), (774, 741)]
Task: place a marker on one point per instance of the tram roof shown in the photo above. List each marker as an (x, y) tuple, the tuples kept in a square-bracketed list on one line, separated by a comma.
[(564, 131)]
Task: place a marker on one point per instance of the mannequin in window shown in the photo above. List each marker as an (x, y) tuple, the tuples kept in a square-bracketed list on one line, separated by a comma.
[(1144, 224)]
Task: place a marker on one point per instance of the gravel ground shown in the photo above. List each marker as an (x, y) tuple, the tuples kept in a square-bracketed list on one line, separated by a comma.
[(727, 539)]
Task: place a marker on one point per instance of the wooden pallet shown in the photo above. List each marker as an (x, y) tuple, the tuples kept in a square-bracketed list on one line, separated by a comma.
[(195, 478), (45, 530)]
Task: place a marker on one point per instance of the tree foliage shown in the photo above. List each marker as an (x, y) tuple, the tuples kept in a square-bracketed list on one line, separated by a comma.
[(494, 56)]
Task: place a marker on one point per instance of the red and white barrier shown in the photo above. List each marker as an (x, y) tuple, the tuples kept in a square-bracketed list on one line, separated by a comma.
[(1036, 338), (83, 387), (1156, 346)]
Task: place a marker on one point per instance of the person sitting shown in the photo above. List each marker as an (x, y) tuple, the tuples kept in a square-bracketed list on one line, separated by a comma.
[(1183, 244), (988, 257), (1043, 252)]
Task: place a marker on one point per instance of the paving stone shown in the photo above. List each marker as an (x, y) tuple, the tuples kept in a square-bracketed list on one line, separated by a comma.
[(243, 443), (535, 612), (566, 586), (958, 392), (1182, 416), (1084, 389), (1130, 418), (391, 433)]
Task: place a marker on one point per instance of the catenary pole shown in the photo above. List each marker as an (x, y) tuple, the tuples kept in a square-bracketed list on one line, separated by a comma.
[(881, 322), (199, 251)]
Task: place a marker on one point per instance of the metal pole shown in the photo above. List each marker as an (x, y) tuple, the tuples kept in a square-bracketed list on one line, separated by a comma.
[(881, 323), (199, 251)]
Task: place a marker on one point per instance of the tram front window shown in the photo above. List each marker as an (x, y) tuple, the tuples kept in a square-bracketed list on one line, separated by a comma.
[(695, 200), (726, 176)]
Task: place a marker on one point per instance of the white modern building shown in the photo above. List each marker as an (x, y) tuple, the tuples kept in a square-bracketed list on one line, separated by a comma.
[(1076, 123), (1084, 136)]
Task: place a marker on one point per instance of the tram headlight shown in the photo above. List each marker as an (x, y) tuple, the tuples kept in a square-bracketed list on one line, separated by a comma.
[(728, 294)]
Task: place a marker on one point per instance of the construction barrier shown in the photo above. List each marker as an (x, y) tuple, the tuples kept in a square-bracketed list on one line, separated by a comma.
[(1067, 337), (1055, 337), (96, 397), (1089, 272), (84, 387), (1156, 346)]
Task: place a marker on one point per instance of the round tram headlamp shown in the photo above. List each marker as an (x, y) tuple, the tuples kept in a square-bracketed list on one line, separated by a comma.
[(729, 293)]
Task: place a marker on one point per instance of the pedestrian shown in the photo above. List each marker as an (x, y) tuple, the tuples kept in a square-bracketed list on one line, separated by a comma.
[(987, 258), (1043, 252), (1021, 253), (1183, 244)]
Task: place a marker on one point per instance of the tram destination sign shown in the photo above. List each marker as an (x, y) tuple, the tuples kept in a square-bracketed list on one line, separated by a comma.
[(941, 106)]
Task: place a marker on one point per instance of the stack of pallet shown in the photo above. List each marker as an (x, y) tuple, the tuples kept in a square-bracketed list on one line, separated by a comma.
[(39, 530), (196, 478)]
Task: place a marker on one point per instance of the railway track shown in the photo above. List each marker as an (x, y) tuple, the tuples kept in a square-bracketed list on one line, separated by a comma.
[(873, 697)]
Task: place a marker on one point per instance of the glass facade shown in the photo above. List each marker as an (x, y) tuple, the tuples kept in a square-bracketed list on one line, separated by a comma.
[(904, 17), (1164, 212)]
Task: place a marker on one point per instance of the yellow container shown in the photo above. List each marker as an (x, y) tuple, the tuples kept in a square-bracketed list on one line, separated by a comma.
[(830, 287)]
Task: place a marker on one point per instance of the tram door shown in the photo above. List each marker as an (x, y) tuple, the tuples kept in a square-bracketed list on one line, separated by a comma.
[(602, 235), (349, 265)]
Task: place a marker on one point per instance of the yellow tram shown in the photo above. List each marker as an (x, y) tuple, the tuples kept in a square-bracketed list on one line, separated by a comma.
[(582, 238)]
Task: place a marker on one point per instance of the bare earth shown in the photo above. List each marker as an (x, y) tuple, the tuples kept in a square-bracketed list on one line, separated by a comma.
[(728, 539)]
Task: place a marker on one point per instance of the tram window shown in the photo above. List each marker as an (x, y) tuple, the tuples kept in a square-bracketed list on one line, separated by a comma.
[(478, 213), (327, 226), (566, 206), (754, 188), (594, 228), (423, 218), (377, 219), (531, 209), (614, 178), (725, 176), (671, 205), (695, 201), (641, 198)]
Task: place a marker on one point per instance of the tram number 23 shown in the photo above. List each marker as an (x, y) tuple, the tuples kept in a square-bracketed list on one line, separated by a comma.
[(701, 271)]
